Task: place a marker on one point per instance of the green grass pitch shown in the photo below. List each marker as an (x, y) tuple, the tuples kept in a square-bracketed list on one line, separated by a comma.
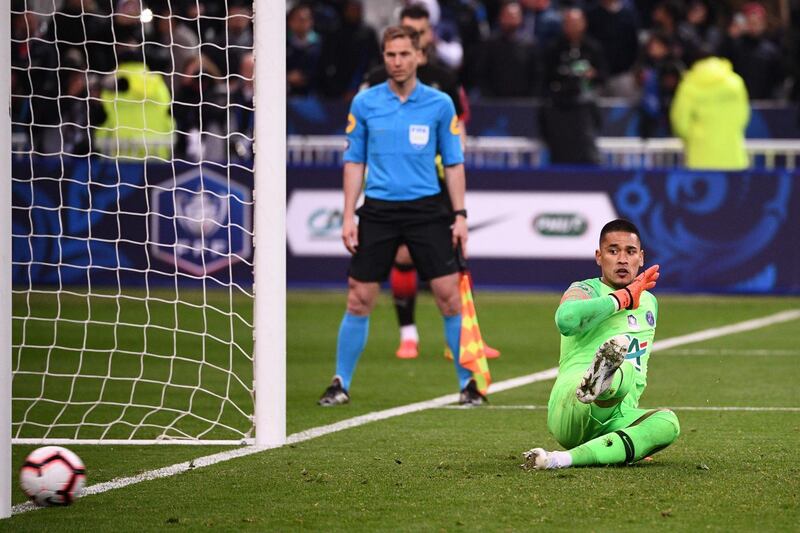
[(456, 469)]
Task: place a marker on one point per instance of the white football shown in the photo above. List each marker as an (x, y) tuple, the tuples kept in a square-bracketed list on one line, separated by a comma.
[(52, 475)]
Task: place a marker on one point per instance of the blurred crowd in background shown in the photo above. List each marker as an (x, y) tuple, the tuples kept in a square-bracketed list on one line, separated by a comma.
[(567, 54), (194, 59), (136, 78), (507, 48)]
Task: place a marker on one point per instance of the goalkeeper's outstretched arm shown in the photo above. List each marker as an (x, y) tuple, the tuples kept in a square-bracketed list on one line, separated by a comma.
[(581, 310), (577, 314)]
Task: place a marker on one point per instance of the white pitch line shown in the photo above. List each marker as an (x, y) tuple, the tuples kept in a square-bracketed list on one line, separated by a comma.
[(735, 408), (747, 325), (414, 407), (166, 471), (675, 408), (498, 407), (356, 421), (441, 401), (732, 351)]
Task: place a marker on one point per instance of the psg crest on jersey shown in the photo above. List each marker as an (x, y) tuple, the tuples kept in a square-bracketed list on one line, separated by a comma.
[(200, 222)]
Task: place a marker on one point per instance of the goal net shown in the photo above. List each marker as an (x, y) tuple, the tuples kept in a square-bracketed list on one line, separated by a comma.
[(132, 199)]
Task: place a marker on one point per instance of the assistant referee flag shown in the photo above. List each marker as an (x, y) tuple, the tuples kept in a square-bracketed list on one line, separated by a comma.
[(472, 355)]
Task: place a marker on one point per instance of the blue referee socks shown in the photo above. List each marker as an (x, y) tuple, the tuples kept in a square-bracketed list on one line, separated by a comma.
[(352, 340), (452, 334)]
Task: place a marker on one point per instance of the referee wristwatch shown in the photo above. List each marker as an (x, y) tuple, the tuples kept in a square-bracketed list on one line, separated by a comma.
[(462, 212)]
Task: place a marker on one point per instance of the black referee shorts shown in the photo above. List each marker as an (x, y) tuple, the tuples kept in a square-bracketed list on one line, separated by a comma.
[(424, 225)]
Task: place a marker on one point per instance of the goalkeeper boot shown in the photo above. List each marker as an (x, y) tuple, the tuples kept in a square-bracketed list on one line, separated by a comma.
[(600, 375), (334, 394), (471, 396), (541, 459)]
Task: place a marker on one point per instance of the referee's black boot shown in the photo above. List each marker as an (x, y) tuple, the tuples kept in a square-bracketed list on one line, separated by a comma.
[(334, 394), (470, 395)]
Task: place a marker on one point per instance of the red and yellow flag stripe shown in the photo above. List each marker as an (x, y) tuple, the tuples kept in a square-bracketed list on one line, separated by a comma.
[(472, 354)]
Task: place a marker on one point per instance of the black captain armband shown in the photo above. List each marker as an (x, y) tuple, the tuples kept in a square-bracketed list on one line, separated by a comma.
[(462, 212)]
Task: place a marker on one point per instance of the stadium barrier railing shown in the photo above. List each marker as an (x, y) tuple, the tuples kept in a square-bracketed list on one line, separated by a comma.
[(520, 152)]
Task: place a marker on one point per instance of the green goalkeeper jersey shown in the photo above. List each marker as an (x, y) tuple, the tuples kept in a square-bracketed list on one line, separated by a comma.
[(591, 311)]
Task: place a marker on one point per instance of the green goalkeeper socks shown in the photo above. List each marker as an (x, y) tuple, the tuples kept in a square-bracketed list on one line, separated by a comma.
[(652, 433)]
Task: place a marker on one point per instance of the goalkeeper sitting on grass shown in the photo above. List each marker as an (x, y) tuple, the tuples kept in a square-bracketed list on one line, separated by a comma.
[(607, 325)]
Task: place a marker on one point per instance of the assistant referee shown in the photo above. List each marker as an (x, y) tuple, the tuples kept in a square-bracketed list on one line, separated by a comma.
[(395, 129)]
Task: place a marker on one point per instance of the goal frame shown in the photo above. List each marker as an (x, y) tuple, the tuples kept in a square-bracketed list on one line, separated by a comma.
[(5, 266), (269, 247), (270, 223)]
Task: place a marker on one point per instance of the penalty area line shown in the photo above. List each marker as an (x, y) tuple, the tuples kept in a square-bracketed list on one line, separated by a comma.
[(375, 416)]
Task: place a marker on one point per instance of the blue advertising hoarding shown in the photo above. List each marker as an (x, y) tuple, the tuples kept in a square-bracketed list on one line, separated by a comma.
[(709, 231), (104, 223)]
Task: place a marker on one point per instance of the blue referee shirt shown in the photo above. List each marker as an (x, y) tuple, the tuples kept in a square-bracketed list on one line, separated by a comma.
[(399, 141)]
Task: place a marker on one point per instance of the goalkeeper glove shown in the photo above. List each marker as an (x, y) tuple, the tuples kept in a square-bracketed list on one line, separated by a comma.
[(628, 297)]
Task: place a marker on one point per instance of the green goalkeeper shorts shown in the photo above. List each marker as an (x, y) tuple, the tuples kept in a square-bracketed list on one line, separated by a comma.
[(573, 423)]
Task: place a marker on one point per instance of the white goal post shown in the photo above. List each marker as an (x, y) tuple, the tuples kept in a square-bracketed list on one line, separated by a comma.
[(270, 222), (5, 270), (145, 242)]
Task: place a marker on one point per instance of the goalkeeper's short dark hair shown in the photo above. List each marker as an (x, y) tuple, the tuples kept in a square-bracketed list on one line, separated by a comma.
[(620, 224), (415, 12)]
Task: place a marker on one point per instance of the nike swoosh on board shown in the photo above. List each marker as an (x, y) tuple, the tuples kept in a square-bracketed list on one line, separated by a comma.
[(487, 223)]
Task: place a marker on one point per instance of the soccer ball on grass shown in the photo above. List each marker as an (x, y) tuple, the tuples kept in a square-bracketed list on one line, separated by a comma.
[(52, 475)]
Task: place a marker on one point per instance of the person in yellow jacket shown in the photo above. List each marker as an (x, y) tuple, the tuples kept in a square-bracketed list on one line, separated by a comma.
[(138, 119), (710, 113)]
